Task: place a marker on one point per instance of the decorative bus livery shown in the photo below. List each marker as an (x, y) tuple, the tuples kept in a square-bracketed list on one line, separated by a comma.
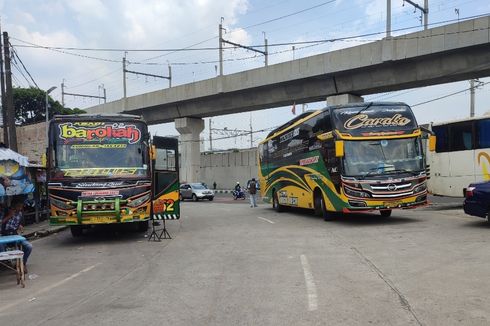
[(461, 157), (350, 158), (102, 169)]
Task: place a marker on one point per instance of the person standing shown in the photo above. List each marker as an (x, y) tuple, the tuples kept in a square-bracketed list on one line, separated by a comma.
[(252, 190), (12, 221)]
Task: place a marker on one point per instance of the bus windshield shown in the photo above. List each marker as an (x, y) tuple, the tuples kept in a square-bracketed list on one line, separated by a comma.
[(102, 149), (382, 157)]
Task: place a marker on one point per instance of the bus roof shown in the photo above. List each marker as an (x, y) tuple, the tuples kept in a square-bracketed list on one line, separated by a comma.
[(309, 113), (460, 120), (98, 117)]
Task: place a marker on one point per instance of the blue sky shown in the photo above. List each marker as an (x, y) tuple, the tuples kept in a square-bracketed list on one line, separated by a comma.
[(126, 24)]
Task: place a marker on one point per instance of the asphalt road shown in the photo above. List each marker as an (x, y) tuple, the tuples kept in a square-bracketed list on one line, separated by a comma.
[(229, 264)]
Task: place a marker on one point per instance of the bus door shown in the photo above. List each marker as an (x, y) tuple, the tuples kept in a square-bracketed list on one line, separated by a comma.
[(165, 179)]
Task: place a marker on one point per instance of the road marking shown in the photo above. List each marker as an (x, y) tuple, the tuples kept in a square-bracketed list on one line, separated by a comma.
[(310, 285), (48, 288), (264, 219)]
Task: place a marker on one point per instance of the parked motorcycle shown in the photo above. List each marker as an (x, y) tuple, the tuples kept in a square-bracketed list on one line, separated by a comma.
[(238, 194)]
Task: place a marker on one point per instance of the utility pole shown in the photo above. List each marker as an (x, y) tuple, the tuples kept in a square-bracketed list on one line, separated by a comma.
[(210, 136), (472, 98), (63, 92), (169, 76), (388, 18), (10, 98), (472, 94), (220, 33), (3, 94), (424, 11), (251, 132), (266, 53), (124, 75)]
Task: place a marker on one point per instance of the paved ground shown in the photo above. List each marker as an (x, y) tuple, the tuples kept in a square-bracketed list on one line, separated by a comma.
[(229, 264)]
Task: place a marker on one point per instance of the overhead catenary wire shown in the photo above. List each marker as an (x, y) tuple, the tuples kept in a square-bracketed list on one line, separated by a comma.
[(33, 45)]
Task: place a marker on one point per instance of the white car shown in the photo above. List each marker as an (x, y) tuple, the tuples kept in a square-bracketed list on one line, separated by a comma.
[(195, 191)]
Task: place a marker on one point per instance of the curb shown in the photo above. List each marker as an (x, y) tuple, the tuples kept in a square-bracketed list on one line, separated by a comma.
[(43, 232)]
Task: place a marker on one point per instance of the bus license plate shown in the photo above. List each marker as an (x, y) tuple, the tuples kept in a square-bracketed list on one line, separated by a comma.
[(392, 203), (100, 220)]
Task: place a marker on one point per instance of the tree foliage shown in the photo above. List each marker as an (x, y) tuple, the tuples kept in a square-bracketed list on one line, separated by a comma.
[(30, 105)]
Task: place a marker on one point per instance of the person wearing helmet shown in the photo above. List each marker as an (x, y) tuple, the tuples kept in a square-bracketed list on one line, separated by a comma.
[(238, 188)]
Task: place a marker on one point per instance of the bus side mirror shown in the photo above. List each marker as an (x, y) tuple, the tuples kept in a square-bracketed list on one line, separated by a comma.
[(339, 148), (153, 153), (432, 143)]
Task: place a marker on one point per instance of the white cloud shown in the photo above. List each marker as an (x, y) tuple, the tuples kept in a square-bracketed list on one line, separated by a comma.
[(94, 8)]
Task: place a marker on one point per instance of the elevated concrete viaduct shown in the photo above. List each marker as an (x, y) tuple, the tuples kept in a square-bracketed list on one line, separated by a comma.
[(444, 54)]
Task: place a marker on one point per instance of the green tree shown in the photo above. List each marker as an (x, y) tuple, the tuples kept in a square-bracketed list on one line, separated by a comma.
[(30, 105)]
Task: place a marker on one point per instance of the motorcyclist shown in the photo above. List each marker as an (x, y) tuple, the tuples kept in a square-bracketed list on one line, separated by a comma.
[(238, 188)]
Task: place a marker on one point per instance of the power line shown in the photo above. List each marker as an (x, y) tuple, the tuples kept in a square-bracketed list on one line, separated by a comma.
[(22, 63), (352, 37), (445, 96)]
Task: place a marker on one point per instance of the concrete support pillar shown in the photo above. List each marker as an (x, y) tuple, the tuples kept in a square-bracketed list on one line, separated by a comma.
[(344, 99), (190, 153)]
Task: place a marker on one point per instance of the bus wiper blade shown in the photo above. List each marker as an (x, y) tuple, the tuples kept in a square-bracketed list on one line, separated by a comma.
[(401, 170), (365, 108)]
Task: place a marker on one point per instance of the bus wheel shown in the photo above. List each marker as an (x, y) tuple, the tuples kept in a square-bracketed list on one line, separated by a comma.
[(385, 213), (275, 203), (76, 231), (321, 209), (142, 226)]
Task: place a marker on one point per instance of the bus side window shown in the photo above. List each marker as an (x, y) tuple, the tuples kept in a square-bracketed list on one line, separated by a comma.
[(483, 133)]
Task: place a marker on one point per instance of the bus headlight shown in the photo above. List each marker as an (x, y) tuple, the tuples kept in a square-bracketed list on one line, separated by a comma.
[(420, 188), (355, 193), (61, 204), (139, 201)]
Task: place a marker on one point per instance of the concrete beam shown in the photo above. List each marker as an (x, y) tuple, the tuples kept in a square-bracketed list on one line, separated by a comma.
[(344, 99), (444, 54)]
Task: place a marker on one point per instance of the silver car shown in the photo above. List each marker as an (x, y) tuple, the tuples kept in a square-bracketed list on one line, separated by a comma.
[(195, 191)]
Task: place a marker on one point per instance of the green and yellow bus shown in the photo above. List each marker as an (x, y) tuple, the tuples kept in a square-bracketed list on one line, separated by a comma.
[(342, 159), (105, 169)]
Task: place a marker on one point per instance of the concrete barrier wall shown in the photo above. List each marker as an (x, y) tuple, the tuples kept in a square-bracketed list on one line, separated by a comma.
[(229, 167), (31, 140)]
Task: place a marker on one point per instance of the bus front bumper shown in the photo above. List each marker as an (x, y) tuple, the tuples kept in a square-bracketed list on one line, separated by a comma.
[(357, 205)]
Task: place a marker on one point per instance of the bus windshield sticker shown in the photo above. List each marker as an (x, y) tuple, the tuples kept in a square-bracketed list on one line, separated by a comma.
[(110, 131), (92, 146), (364, 121), (99, 172)]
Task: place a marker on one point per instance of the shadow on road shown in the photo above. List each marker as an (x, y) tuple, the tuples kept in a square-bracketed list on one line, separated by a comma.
[(358, 219), (111, 233), (479, 224)]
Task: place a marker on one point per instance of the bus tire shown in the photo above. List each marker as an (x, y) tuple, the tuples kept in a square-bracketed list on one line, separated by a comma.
[(321, 209), (275, 203), (76, 231), (385, 213), (142, 226)]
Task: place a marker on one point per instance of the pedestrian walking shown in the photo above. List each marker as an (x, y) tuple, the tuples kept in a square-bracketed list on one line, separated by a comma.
[(252, 187), (214, 185)]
